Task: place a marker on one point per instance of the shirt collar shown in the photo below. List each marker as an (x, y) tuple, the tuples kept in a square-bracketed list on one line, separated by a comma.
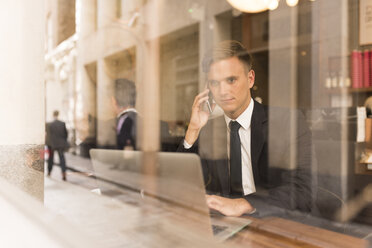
[(126, 111), (244, 118)]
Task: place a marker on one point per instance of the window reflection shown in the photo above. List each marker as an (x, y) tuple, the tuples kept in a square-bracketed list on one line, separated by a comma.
[(312, 75)]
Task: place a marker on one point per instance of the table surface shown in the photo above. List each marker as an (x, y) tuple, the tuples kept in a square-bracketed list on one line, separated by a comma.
[(262, 232), (278, 232)]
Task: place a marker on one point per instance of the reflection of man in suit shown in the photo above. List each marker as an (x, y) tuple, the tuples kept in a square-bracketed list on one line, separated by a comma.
[(128, 118), (124, 102), (234, 148), (56, 140)]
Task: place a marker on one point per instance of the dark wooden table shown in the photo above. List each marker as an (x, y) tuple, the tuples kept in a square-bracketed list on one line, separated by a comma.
[(277, 232)]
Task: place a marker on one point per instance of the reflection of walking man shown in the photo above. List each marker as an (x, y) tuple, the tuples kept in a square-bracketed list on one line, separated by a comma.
[(56, 140), (124, 102)]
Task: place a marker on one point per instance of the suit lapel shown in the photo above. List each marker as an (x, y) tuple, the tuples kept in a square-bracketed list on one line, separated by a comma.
[(222, 163), (258, 136), (218, 148), (215, 150)]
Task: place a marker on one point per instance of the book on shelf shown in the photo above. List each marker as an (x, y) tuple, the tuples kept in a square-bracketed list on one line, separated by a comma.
[(361, 69), (366, 69), (370, 68), (356, 75)]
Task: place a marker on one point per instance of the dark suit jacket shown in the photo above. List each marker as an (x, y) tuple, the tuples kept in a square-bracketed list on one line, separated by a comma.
[(56, 135), (128, 131), (289, 188), (128, 134)]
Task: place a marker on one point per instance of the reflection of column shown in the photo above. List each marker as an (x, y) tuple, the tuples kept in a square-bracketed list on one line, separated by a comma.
[(282, 56), (106, 12), (149, 87), (106, 135), (86, 22), (331, 35), (105, 87), (22, 94), (85, 86), (128, 7), (283, 75), (212, 31)]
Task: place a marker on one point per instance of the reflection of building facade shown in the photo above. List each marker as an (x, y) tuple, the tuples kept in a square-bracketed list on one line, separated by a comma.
[(106, 47), (110, 42)]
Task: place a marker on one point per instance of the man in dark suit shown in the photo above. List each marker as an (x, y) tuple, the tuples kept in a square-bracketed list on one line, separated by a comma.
[(124, 102), (56, 140), (234, 148), (127, 119)]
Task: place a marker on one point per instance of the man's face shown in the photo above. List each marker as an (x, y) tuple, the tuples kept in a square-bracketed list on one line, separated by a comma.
[(230, 85)]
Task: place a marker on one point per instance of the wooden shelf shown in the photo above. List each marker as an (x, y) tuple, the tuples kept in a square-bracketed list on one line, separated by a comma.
[(360, 90), (348, 90), (361, 168)]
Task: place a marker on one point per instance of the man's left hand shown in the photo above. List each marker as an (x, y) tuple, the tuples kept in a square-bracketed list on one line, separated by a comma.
[(229, 207)]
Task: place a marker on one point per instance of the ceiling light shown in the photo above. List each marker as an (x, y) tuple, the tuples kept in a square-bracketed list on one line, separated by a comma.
[(273, 4), (249, 6), (292, 3)]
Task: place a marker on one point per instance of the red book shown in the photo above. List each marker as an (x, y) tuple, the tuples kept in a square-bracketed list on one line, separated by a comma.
[(366, 69), (356, 67), (360, 68), (370, 68)]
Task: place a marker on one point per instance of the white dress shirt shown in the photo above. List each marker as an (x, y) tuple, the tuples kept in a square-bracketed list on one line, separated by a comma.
[(245, 139), (121, 118)]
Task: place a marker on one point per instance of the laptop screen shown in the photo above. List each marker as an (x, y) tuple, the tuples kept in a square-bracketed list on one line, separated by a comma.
[(174, 177)]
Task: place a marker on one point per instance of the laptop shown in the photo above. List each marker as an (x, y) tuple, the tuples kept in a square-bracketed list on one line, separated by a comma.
[(173, 179)]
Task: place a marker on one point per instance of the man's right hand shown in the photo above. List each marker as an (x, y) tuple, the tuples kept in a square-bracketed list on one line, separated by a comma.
[(199, 117)]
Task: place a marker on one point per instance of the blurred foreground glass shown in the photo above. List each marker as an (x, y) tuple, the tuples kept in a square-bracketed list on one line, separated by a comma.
[(308, 64)]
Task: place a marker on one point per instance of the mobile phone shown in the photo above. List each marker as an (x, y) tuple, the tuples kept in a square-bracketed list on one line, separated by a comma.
[(209, 101)]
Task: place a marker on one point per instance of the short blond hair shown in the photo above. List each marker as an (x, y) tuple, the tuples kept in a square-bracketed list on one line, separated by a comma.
[(227, 49)]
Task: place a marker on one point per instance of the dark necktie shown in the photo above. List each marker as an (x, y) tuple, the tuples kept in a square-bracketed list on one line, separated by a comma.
[(235, 159)]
